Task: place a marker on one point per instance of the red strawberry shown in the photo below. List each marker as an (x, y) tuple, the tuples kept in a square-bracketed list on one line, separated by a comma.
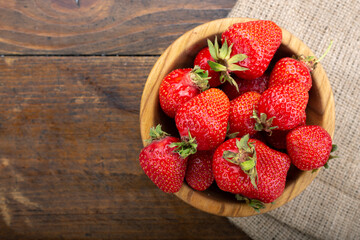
[(199, 170), (257, 85), (299, 69), (205, 117), (250, 168), (277, 138), (288, 70), (179, 86), (309, 147), (241, 112), (165, 167), (258, 40), (282, 107)]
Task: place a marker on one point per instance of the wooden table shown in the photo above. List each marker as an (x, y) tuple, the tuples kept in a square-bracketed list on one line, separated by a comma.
[(71, 78)]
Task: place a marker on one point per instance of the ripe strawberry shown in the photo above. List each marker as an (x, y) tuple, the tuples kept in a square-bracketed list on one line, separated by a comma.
[(218, 63), (288, 70), (250, 168), (281, 107), (257, 85), (309, 147), (258, 40), (296, 69), (205, 117), (161, 164), (199, 170), (179, 86), (241, 111)]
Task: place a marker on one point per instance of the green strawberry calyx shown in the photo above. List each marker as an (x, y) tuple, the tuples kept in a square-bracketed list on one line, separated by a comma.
[(156, 133), (186, 147), (223, 62), (262, 123), (200, 78), (257, 205), (311, 61), (245, 158)]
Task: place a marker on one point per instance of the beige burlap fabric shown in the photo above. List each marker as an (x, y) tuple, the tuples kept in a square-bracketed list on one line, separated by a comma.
[(330, 207)]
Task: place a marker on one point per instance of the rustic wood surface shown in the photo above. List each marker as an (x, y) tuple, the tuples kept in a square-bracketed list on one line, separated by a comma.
[(69, 120), (111, 27)]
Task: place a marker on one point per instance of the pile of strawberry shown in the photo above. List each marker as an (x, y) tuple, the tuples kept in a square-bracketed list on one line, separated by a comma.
[(240, 123)]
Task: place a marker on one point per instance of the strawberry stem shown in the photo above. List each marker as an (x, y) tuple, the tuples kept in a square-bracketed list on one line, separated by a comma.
[(309, 60), (326, 52)]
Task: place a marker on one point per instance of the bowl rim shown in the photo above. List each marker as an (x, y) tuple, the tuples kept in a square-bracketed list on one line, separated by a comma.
[(202, 200)]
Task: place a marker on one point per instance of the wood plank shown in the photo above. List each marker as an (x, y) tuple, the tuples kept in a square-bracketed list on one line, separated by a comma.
[(69, 145), (98, 27)]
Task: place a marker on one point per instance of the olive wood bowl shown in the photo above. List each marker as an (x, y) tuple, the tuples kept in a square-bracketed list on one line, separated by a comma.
[(181, 54)]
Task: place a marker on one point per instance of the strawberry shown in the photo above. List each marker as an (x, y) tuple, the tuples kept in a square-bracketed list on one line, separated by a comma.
[(199, 170), (250, 168), (281, 107), (218, 63), (257, 85), (288, 70), (258, 40), (179, 86), (296, 69), (309, 147), (205, 117), (161, 163), (241, 111)]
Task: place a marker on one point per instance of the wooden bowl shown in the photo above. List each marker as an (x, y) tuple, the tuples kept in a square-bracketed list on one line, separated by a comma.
[(180, 54)]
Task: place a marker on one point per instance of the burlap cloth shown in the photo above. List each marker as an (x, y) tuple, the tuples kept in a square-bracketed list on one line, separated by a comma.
[(330, 207)]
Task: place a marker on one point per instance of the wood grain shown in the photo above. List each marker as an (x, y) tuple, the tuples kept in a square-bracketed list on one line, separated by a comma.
[(96, 27), (69, 144), (320, 111)]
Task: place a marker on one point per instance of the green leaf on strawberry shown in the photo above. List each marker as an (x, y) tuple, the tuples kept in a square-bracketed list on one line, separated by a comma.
[(187, 147), (156, 133), (263, 123), (257, 205), (200, 77), (223, 62), (245, 158)]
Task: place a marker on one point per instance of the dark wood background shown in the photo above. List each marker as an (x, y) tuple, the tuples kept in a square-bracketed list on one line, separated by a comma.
[(71, 79)]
